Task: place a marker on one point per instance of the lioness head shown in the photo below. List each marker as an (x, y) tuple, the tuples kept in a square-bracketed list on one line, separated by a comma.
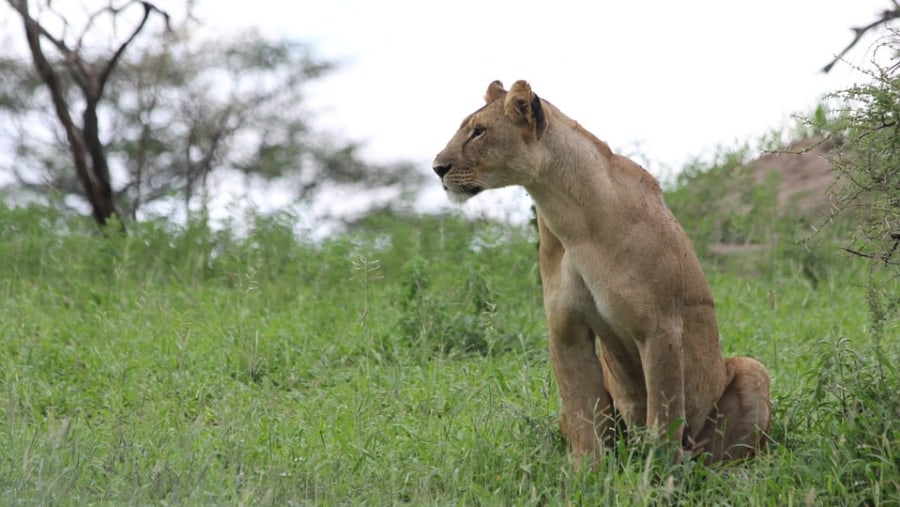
[(494, 145)]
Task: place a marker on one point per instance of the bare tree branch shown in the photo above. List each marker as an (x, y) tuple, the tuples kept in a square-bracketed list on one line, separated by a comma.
[(110, 65), (881, 256), (886, 17)]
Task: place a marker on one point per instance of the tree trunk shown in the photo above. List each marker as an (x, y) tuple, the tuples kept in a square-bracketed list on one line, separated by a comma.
[(88, 152), (96, 184)]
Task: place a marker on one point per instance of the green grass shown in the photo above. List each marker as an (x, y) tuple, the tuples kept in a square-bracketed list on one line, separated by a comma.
[(401, 363)]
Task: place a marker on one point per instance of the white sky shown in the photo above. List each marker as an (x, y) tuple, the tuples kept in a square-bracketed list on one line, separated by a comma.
[(672, 78)]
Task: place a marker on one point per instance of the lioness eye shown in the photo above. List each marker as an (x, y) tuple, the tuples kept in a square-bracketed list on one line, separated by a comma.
[(477, 131)]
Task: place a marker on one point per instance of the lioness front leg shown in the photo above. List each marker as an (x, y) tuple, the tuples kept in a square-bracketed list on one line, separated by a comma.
[(663, 363), (586, 405), (739, 424)]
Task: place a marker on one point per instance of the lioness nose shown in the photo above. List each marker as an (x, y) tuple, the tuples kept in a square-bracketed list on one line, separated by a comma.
[(442, 169)]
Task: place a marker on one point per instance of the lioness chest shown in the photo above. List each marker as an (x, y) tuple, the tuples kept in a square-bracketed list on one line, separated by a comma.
[(611, 310), (615, 315)]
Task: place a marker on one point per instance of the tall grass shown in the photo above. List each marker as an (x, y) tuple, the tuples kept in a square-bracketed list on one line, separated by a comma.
[(401, 362)]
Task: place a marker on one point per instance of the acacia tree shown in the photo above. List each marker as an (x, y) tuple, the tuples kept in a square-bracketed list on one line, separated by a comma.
[(867, 126), (87, 152)]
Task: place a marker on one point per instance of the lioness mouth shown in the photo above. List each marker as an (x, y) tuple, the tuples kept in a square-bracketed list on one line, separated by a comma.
[(465, 190), (461, 194)]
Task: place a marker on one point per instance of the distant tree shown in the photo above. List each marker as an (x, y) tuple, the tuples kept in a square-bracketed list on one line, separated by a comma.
[(180, 107), (87, 152)]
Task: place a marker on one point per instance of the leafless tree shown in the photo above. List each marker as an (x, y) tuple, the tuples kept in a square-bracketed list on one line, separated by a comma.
[(87, 151)]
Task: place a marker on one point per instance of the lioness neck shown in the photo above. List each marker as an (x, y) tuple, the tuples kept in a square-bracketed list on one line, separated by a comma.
[(583, 190)]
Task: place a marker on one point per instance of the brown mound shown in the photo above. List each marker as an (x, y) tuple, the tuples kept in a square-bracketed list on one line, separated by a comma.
[(805, 174)]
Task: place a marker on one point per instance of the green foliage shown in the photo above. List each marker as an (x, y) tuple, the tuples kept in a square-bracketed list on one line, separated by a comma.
[(401, 362), (866, 124), (718, 202), (740, 215), (449, 303), (735, 220)]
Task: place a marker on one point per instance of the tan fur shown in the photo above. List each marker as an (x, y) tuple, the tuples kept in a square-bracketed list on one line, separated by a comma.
[(620, 277)]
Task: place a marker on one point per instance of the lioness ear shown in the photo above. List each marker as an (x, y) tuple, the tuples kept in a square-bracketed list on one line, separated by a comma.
[(524, 108), (495, 91)]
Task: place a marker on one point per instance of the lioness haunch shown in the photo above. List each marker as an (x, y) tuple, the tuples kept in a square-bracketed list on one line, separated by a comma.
[(617, 269)]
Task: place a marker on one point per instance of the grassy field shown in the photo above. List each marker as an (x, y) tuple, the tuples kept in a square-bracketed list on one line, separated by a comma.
[(401, 363)]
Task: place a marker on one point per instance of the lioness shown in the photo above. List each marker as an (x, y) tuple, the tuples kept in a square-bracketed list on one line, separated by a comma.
[(617, 269)]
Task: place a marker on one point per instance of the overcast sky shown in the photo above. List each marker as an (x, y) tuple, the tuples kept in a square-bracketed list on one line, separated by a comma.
[(673, 78)]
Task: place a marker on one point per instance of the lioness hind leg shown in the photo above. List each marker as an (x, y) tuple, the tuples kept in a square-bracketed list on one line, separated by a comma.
[(740, 422)]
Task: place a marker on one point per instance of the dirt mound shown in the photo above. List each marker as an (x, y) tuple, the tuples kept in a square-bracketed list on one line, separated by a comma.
[(804, 175), (801, 175)]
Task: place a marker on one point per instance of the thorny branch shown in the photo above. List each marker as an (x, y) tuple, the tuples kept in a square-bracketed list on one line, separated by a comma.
[(881, 256), (887, 16)]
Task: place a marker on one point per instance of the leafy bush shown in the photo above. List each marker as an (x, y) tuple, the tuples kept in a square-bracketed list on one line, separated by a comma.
[(866, 124)]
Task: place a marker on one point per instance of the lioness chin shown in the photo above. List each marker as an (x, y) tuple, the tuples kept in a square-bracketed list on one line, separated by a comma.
[(618, 271)]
